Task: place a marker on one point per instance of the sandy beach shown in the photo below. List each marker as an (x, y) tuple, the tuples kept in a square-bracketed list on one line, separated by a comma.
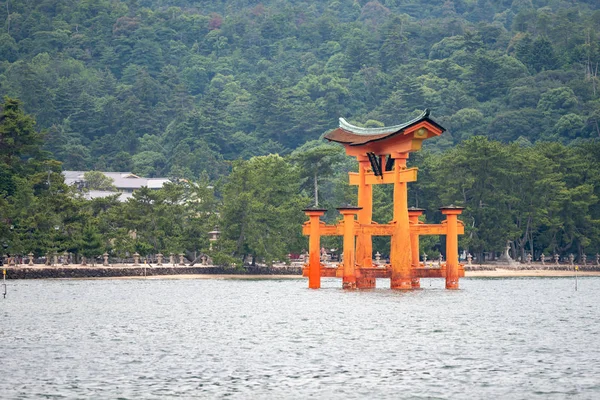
[(511, 273)]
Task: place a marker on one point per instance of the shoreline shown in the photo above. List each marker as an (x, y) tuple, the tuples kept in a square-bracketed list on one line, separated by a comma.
[(274, 273), (516, 273)]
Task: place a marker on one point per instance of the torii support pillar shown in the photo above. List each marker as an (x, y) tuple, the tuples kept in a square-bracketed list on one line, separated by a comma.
[(364, 242), (451, 213), (413, 217), (314, 246), (349, 278), (400, 252)]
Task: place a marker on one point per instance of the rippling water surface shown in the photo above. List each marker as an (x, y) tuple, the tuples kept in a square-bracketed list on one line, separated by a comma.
[(273, 339)]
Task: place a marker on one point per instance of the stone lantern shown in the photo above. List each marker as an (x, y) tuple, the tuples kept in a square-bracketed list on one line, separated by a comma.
[(181, 262), (172, 259), (136, 258), (30, 255), (213, 236), (105, 258), (159, 257)]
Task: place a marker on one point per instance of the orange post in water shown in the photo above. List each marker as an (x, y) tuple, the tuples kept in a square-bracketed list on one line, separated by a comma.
[(349, 265), (400, 252), (451, 213), (314, 245), (364, 242), (413, 217)]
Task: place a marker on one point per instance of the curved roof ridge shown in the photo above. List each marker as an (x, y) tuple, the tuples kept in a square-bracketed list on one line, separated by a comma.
[(378, 131)]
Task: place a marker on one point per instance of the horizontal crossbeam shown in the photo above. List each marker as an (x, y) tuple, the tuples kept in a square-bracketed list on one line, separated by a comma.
[(406, 175), (383, 229)]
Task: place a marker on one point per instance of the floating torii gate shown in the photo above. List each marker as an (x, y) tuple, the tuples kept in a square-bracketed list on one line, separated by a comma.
[(382, 155)]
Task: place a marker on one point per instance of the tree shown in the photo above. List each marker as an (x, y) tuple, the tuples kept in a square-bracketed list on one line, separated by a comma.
[(315, 159), (91, 242), (20, 143), (475, 174), (96, 180), (261, 212)]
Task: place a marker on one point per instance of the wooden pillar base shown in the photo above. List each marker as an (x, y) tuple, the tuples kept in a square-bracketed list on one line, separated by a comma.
[(452, 284), (401, 284), (349, 283), (365, 283), (415, 283)]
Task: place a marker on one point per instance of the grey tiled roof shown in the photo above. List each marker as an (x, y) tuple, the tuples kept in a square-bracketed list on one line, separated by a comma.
[(97, 194), (121, 180)]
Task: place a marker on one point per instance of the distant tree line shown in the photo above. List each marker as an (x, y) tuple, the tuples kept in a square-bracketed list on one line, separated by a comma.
[(539, 198)]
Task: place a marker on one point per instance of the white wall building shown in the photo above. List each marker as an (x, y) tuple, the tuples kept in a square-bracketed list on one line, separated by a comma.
[(125, 182)]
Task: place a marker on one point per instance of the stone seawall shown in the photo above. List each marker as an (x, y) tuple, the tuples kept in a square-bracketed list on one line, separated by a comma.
[(26, 272)]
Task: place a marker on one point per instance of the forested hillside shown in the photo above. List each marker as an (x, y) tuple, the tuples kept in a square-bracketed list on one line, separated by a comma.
[(244, 91), (177, 87)]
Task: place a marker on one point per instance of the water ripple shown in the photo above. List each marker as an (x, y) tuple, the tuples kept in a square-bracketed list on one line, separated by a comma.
[(264, 339)]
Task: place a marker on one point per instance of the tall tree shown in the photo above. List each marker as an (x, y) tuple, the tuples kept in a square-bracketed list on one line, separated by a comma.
[(317, 160), (261, 213)]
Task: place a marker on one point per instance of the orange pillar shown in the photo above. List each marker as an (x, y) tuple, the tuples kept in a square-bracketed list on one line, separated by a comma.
[(400, 252), (364, 242), (314, 246), (413, 216), (451, 213), (349, 278)]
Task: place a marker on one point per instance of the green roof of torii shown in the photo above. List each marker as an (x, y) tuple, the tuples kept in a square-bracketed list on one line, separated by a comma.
[(355, 135)]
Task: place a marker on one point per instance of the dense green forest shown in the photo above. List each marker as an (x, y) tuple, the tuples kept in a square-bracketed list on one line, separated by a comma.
[(178, 87), (209, 92)]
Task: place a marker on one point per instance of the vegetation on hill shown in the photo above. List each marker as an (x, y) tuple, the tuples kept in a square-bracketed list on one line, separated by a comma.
[(207, 91), (178, 87)]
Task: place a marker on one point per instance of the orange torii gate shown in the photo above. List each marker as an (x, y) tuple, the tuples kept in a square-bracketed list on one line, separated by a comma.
[(382, 155)]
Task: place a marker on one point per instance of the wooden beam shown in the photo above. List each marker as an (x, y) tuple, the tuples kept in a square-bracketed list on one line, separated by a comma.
[(407, 175), (383, 229)]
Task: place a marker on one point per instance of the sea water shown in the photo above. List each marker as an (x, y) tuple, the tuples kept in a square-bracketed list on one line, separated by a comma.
[(519, 338)]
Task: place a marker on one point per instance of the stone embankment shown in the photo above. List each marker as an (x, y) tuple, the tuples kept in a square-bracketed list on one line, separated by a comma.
[(122, 270), (44, 272)]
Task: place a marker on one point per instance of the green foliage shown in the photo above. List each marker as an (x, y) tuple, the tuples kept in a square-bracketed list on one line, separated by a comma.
[(214, 83), (91, 242), (190, 89), (315, 160), (540, 198), (262, 208), (96, 180)]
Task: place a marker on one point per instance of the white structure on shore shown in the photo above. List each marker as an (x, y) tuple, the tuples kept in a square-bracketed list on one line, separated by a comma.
[(124, 182)]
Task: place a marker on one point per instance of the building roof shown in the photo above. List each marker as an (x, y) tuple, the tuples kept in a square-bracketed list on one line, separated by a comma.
[(121, 180), (157, 183), (97, 194), (356, 136)]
